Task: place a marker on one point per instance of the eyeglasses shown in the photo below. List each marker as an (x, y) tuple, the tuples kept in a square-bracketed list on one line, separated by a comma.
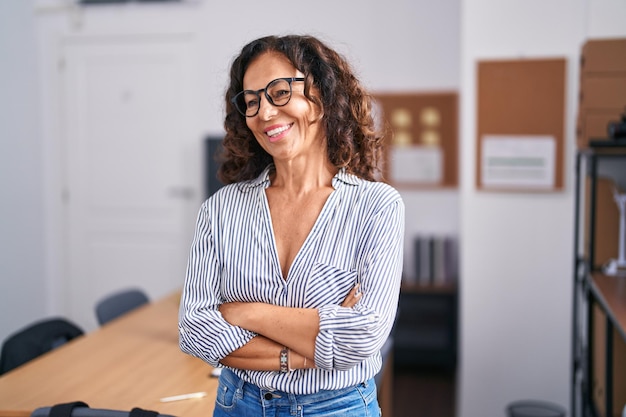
[(277, 93)]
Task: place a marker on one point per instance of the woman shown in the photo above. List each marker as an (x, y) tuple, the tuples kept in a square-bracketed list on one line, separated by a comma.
[(294, 272)]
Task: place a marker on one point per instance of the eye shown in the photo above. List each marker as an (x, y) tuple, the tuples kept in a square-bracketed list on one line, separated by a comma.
[(251, 100), (252, 103), (278, 94)]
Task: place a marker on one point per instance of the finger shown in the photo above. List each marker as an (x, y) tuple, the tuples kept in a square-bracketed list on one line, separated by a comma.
[(353, 297)]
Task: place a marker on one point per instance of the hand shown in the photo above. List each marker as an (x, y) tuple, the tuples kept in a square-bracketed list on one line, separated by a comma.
[(353, 297)]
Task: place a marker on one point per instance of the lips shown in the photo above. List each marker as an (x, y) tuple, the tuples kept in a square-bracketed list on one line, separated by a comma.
[(275, 133)]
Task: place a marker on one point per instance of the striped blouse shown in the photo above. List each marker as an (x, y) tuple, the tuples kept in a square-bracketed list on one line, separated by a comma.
[(358, 237)]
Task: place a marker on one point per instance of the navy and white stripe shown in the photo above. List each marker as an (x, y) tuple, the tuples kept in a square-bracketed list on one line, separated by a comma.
[(357, 237)]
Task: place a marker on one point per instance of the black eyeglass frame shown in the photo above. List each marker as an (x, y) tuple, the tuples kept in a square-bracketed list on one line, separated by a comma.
[(267, 96)]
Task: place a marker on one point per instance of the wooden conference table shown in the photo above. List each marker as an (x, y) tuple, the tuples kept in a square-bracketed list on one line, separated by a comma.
[(130, 362)]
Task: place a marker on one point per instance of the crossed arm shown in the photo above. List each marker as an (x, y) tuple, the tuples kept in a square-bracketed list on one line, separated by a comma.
[(277, 327)]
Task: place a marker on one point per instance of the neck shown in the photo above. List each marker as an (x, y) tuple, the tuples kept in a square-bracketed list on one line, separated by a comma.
[(301, 177)]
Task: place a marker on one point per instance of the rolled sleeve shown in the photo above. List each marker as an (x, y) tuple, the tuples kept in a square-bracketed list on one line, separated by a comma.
[(335, 345), (203, 332), (211, 339), (348, 336)]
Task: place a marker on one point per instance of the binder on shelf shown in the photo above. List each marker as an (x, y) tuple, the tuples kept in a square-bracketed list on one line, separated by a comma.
[(435, 260), (440, 269), (425, 260), (451, 248)]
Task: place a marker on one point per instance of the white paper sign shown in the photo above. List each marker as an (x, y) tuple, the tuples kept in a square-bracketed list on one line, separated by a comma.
[(510, 161), (417, 164)]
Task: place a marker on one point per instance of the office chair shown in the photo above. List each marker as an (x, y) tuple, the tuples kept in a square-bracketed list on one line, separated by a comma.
[(35, 340), (80, 409), (116, 304)]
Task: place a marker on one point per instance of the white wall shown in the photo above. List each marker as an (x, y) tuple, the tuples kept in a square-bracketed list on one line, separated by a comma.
[(517, 249), (22, 284)]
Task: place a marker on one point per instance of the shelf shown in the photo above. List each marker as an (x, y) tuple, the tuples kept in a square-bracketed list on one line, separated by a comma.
[(598, 384), (607, 143), (427, 338), (429, 289), (599, 300), (610, 291), (426, 328)]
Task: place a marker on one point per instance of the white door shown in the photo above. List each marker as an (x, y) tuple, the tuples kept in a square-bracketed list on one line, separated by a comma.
[(127, 105)]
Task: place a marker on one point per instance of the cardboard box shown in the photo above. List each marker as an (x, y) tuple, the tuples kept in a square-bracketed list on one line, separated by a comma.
[(602, 91), (594, 125), (604, 55)]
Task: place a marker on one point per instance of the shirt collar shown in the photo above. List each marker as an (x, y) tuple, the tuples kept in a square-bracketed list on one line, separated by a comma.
[(344, 177), (263, 180)]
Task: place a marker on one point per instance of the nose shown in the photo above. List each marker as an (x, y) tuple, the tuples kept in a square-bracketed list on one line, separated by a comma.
[(266, 109)]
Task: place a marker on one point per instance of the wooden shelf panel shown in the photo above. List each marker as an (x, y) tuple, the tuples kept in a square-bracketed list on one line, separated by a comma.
[(610, 291)]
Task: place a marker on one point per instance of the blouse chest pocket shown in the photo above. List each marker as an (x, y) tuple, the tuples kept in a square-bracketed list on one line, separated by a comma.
[(327, 285)]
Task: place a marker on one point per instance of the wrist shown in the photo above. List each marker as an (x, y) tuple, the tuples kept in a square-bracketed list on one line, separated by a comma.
[(301, 361)]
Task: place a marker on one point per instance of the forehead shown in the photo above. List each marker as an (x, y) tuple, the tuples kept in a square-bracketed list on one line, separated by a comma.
[(267, 67)]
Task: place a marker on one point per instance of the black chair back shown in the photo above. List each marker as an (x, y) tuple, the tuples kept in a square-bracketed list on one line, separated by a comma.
[(35, 340), (119, 303), (81, 409)]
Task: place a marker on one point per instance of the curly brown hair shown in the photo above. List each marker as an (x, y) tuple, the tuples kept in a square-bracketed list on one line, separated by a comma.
[(353, 140)]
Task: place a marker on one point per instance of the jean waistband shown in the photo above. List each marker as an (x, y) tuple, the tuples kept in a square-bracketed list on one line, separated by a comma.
[(281, 396)]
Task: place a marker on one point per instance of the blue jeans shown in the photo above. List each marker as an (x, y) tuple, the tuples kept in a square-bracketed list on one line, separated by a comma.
[(236, 397)]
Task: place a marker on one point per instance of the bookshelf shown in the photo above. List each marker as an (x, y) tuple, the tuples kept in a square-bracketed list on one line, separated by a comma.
[(599, 299), (427, 326)]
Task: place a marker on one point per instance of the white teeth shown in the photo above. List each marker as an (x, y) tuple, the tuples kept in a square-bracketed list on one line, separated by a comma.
[(277, 131)]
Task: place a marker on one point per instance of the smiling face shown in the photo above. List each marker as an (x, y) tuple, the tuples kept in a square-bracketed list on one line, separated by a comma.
[(291, 132)]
